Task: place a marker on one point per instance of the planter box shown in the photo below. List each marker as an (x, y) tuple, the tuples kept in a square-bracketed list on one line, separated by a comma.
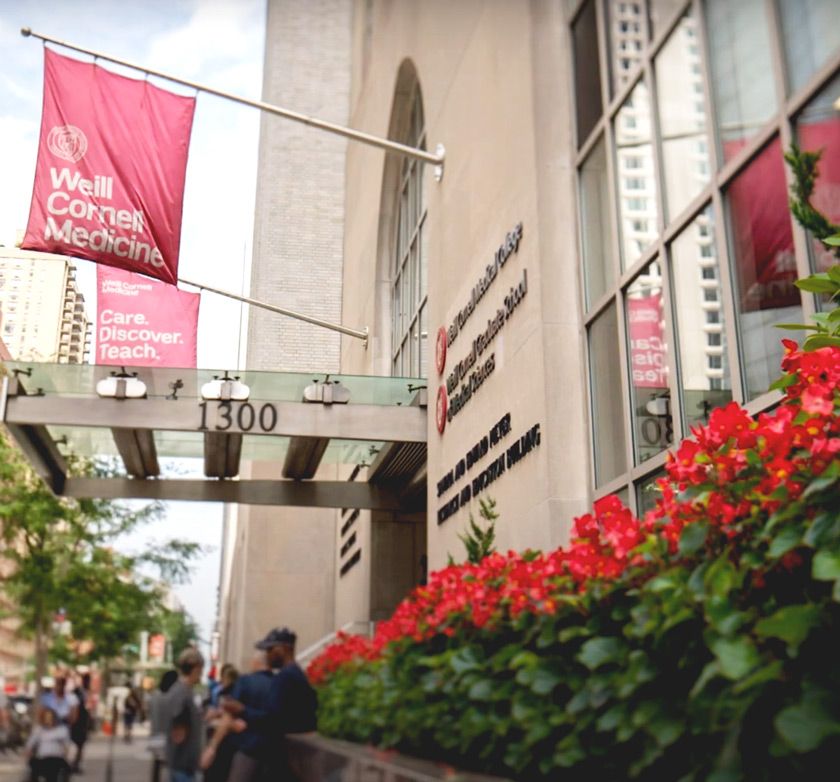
[(314, 758)]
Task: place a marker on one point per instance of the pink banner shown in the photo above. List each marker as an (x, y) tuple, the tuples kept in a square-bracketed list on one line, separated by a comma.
[(142, 322), (109, 180), (648, 355)]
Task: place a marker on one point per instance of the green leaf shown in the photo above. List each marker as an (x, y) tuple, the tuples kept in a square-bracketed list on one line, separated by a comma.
[(817, 341), (826, 565), (824, 529), (783, 382), (792, 624), (464, 660), (737, 656), (832, 241), (482, 690), (693, 538), (789, 538), (797, 327), (805, 726), (817, 283), (820, 484), (597, 651), (544, 681), (767, 673)]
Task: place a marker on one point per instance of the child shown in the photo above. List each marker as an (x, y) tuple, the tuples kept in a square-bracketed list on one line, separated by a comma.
[(47, 747)]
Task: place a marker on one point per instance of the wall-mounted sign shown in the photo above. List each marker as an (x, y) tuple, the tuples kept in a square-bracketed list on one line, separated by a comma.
[(499, 465), (505, 250), (440, 350)]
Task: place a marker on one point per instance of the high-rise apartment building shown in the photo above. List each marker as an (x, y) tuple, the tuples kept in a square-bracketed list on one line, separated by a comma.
[(42, 310)]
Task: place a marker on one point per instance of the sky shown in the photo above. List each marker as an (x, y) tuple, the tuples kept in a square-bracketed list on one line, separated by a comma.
[(214, 42)]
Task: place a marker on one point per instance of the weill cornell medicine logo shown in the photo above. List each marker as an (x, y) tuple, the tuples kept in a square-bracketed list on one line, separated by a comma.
[(109, 180), (67, 142)]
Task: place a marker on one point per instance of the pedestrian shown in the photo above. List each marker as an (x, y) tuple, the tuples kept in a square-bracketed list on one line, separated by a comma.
[(81, 725), (132, 709), (157, 730), (224, 745), (291, 702), (250, 744), (63, 703), (46, 748), (182, 719)]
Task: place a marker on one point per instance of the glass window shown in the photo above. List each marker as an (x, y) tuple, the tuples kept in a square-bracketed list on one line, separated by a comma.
[(587, 71), (648, 352), (626, 36), (661, 12), (811, 35), (764, 265), (595, 224), (682, 118), (647, 493), (607, 403), (741, 70), (818, 128), (408, 292), (633, 140)]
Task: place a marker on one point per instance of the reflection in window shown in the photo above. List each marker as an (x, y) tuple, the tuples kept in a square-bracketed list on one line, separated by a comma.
[(704, 371), (648, 351), (607, 404), (682, 117), (661, 12), (818, 127), (811, 36), (633, 140), (587, 71), (741, 70), (408, 291), (627, 38), (764, 265), (595, 224), (647, 493)]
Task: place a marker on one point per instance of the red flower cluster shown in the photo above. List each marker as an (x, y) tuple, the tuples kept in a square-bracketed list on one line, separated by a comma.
[(741, 464)]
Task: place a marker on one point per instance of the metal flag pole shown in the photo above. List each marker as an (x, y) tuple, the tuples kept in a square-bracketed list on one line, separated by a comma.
[(362, 335), (436, 157)]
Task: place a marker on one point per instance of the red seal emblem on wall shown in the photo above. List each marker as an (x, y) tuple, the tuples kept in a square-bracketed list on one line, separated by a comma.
[(440, 350), (441, 408)]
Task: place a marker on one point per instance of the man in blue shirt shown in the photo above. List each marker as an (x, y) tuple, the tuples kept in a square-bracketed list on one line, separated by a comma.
[(289, 707)]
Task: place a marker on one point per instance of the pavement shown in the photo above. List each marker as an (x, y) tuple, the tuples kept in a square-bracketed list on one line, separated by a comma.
[(130, 762)]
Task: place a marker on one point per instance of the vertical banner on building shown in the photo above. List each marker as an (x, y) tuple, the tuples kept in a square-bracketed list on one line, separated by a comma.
[(648, 359), (142, 322), (109, 179)]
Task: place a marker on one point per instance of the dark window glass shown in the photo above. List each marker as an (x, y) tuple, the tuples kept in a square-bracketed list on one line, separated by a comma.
[(811, 35), (607, 400), (587, 71), (818, 128), (648, 352), (764, 266), (741, 70)]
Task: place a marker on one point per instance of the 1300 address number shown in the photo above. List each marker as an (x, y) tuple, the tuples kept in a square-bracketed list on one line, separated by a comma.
[(245, 417)]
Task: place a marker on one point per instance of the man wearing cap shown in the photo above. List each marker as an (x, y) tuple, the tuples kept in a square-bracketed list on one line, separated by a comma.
[(291, 701)]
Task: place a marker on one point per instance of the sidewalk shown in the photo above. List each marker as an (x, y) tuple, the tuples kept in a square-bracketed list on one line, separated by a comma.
[(131, 762)]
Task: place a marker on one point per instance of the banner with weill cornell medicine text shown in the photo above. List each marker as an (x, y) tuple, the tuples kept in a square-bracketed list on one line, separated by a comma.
[(109, 179), (142, 322)]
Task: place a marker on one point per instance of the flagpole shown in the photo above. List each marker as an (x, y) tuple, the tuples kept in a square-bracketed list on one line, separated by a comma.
[(436, 157), (362, 335)]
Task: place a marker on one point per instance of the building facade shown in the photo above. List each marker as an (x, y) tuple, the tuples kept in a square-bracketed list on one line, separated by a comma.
[(604, 261), (273, 556), (42, 310)]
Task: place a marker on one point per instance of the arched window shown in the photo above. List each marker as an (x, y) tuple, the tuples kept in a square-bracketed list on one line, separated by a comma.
[(408, 278)]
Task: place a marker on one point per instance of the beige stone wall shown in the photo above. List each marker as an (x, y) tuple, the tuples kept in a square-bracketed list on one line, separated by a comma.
[(494, 79)]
